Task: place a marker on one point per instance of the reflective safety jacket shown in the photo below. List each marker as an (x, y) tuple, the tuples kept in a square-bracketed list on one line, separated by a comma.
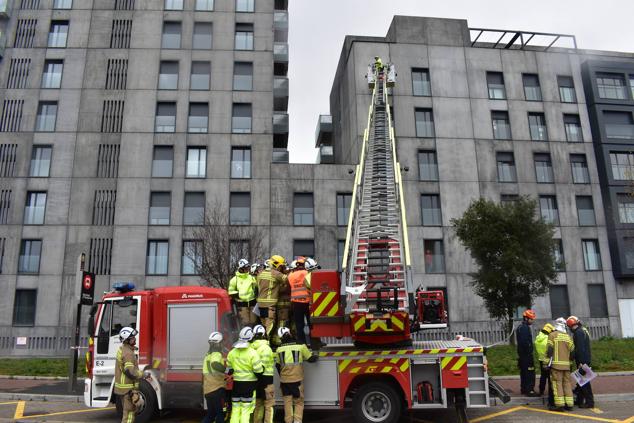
[(212, 378), (541, 346), (560, 349), (126, 371), (300, 286), (245, 363), (290, 358), (261, 346), (269, 281), (243, 285)]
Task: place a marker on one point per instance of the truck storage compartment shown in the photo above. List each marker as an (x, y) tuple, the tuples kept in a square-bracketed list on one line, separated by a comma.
[(426, 387), (189, 326)]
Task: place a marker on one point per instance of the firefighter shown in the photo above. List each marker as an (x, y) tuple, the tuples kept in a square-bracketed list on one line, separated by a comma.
[(525, 354), (256, 268), (242, 289), (378, 64), (560, 351), (283, 307), (265, 391), (541, 345), (244, 363), (127, 374), (289, 360), (300, 295), (214, 386), (269, 281), (583, 355)]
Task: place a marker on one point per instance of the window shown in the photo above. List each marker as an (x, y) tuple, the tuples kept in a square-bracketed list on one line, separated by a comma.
[(619, 125), (30, 251), (157, 256), (559, 303), (192, 259), (591, 254), (244, 36), (205, 5), (501, 125), (632, 85), (168, 75), (508, 198), (196, 162), (303, 247), (52, 74), (24, 307), (40, 161), (597, 300), (63, 4), (343, 208), (585, 211), (580, 174), (532, 89), (241, 118), (240, 162), (611, 86), (58, 34), (162, 159), (160, 205), (427, 166), (34, 208), (430, 207), (198, 117), (46, 116), (543, 168), (626, 208), (202, 36), (165, 117), (173, 4), (495, 84), (171, 37), (200, 75), (548, 209), (240, 208), (506, 167), (424, 123), (566, 89), (572, 125), (421, 85), (434, 256), (302, 209), (243, 76), (558, 253), (341, 245), (622, 165), (194, 210), (245, 5), (537, 127), (628, 248)]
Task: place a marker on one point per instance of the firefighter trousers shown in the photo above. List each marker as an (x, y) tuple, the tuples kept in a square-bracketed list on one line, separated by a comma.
[(129, 409), (301, 314), (268, 316), (247, 318), (215, 406), (293, 395), (242, 401), (544, 383), (264, 406), (562, 388)]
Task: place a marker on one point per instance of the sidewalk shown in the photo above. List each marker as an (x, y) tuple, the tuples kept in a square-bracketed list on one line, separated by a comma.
[(38, 388)]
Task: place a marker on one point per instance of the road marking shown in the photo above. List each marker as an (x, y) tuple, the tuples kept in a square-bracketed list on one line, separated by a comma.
[(59, 413), (493, 415), (578, 416), (596, 410), (628, 420), (19, 410), (7, 403)]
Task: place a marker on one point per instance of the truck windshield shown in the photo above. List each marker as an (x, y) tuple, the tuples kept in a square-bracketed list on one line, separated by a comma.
[(116, 315)]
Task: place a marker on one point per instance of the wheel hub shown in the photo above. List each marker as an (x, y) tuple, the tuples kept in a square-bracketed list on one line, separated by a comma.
[(376, 406)]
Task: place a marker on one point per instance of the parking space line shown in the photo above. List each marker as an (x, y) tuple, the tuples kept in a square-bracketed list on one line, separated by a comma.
[(7, 403), (628, 420), (577, 416), (59, 413), (19, 410), (493, 415)]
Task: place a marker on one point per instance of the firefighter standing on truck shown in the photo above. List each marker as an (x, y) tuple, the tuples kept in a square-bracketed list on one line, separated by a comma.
[(127, 375), (242, 289), (265, 391), (300, 295), (244, 363), (283, 307), (560, 351), (583, 355), (289, 359), (269, 281), (541, 346), (525, 359), (214, 380)]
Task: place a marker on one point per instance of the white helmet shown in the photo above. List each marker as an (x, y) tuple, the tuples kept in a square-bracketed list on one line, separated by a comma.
[(259, 330), (293, 265), (255, 267), (127, 333), (283, 331), (246, 334), (560, 325), (311, 264), (215, 338), (243, 263)]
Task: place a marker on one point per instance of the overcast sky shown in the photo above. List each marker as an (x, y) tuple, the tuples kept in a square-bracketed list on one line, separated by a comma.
[(318, 27)]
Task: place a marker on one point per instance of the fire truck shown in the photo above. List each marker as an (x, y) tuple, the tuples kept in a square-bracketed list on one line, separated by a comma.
[(370, 312)]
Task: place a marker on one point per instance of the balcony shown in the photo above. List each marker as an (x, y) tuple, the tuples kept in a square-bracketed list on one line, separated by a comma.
[(280, 94), (3, 42), (280, 19), (5, 9), (280, 155), (280, 123), (280, 52), (326, 155), (323, 132)]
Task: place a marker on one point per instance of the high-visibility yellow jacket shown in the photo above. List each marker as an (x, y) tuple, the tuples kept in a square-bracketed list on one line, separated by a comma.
[(560, 349), (261, 346), (126, 360), (243, 285), (245, 363), (541, 346), (290, 358), (213, 379)]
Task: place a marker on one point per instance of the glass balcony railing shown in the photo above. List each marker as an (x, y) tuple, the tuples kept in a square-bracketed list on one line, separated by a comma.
[(280, 86), (280, 19), (280, 155), (280, 52), (280, 123)]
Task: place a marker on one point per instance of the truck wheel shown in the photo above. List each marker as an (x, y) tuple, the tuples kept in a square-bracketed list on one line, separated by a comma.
[(376, 403), (145, 413)]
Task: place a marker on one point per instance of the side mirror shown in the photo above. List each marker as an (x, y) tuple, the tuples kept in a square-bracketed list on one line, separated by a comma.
[(91, 319)]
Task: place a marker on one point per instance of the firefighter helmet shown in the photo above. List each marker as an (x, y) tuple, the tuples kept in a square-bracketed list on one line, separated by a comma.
[(215, 338), (277, 261), (572, 320), (281, 332), (548, 328), (254, 268), (560, 324), (246, 334), (127, 333), (259, 330), (529, 314), (311, 264), (242, 263)]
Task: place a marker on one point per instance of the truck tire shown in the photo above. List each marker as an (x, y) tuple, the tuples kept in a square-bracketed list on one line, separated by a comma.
[(148, 411), (377, 402)]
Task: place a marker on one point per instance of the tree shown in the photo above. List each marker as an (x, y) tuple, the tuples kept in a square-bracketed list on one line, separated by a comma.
[(219, 246), (513, 249)]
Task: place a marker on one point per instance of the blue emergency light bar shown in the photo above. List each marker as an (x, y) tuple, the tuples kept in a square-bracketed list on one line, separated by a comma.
[(123, 287)]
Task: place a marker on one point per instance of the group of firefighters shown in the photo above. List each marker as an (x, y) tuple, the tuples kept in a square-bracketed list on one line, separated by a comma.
[(557, 353)]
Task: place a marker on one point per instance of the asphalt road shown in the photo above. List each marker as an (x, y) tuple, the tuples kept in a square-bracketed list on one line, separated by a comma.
[(614, 412)]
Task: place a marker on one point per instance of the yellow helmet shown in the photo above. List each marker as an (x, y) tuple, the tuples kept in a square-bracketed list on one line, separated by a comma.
[(548, 328), (277, 261)]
